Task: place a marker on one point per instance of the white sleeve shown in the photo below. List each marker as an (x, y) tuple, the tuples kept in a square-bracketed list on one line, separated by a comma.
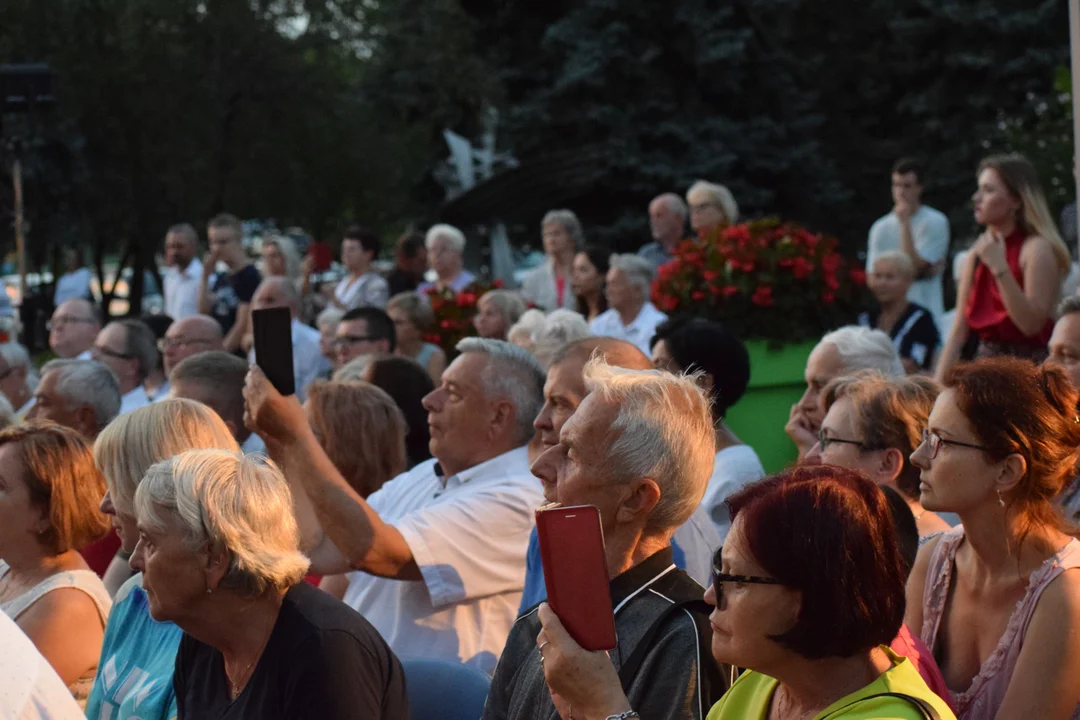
[(932, 239), (474, 546), (871, 251)]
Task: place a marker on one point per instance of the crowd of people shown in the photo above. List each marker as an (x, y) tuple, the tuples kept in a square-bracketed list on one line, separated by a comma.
[(179, 539)]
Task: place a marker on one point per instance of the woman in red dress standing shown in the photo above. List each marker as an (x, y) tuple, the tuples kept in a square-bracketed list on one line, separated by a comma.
[(1012, 276)]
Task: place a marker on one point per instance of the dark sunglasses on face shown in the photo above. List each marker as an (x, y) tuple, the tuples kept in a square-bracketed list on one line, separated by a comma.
[(719, 578)]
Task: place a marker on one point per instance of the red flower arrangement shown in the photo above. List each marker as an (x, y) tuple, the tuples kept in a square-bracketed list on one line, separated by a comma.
[(454, 313), (765, 280)]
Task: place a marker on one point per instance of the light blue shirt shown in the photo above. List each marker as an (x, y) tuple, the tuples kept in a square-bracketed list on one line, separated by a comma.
[(135, 672)]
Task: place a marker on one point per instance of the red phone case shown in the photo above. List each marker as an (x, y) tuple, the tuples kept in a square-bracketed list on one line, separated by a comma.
[(575, 572)]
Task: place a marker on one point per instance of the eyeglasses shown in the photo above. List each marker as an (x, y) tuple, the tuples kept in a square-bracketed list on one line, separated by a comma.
[(824, 441), (166, 344), (935, 441), (701, 207), (63, 320), (4, 375), (97, 352), (721, 577), (340, 342)]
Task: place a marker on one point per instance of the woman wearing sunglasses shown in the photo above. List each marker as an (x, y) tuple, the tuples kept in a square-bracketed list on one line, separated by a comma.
[(809, 611), (997, 600), (872, 424)]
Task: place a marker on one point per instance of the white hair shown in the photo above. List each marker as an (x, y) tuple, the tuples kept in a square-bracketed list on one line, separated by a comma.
[(862, 348), (7, 413), (569, 222), (900, 261), (226, 499), (451, 234), (288, 250), (521, 333), (330, 317), (511, 372), (663, 430), (718, 194), (16, 356), (638, 271), (672, 202), (561, 327), (87, 382)]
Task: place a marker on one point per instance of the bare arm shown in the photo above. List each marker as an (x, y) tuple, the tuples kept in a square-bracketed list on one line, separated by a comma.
[(950, 354), (364, 539), (206, 298), (236, 333), (916, 585), (1046, 681), (907, 244), (67, 629), (1029, 307)]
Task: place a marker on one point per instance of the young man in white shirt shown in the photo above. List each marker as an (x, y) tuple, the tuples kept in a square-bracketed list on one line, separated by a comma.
[(918, 230), (183, 272), (439, 550)]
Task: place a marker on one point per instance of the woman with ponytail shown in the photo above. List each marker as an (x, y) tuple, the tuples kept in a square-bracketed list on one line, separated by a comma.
[(1012, 277), (997, 599)]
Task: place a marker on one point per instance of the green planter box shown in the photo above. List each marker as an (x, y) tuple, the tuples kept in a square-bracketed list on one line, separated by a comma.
[(776, 383)]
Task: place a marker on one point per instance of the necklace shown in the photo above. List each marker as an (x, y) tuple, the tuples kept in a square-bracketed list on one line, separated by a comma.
[(242, 678)]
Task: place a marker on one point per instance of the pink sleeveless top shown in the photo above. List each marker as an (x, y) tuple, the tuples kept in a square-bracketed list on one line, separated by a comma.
[(983, 698)]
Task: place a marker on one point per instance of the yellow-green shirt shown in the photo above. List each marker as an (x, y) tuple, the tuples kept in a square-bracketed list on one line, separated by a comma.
[(750, 696)]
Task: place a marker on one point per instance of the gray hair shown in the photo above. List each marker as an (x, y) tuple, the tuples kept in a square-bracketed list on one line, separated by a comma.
[(356, 369), (638, 272), (288, 289), (225, 499), (455, 237), (185, 229), (7, 413), (561, 327), (674, 203), (513, 373), (140, 343), (89, 383), (331, 316), (416, 306), (718, 194), (569, 222), (663, 430), (900, 261), (862, 348), (16, 356), (509, 304), (1069, 306)]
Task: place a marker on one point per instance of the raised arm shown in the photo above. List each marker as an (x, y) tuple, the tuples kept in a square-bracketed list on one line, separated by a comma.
[(960, 332), (365, 541), (206, 298), (1029, 307)]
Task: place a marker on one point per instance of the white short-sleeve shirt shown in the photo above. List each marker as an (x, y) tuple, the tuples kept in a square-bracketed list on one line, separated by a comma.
[(182, 289), (469, 534), (29, 687), (368, 290), (639, 332), (930, 234)]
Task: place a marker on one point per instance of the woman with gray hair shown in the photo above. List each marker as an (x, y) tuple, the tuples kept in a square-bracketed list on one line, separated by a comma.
[(219, 550), (711, 206), (549, 286), (630, 316), (496, 312), (446, 251)]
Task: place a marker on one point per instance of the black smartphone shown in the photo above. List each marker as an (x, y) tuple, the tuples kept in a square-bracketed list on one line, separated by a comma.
[(272, 329)]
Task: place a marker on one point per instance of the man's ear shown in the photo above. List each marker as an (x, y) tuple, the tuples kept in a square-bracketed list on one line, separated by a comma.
[(643, 496), (86, 421)]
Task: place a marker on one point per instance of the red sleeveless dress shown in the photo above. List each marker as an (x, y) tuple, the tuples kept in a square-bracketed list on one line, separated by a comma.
[(986, 315)]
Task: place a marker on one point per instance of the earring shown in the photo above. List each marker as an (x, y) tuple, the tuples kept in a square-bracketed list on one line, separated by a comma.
[(209, 591), (1001, 500)]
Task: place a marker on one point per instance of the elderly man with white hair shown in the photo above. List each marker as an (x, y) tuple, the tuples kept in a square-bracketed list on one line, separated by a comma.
[(438, 553), (17, 378), (630, 316), (80, 394), (841, 352), (667, 221), (445, 251), (640, 449), (549, 286)]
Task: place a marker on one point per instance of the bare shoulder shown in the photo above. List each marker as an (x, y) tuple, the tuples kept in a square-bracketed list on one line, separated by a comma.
[(62, 608)]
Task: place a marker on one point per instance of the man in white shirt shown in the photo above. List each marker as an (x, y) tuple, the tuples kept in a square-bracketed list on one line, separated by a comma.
[(279, 291), (630, 316), (128, 348), (72, 329), (918, 230), (440, 549), (183, 273), (17, 378), (29, 687), (80, 394), (216, 379), (190, 336)]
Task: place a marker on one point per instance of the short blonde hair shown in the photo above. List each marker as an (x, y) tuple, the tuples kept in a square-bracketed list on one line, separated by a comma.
[(133, 442), (900, 261), (362, 431), (288, 250), (228, 500), (416, 307), (718, 194)]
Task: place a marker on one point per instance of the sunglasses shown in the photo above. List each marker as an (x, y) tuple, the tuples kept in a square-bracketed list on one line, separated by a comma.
[(722, 577)]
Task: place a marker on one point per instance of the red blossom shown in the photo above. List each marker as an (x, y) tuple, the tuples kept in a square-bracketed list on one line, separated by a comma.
[(858, 276), (729, 290), (697, 295), (762, 296)]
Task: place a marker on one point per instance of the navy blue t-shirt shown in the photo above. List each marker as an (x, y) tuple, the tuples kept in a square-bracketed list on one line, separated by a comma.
[(232, 291)]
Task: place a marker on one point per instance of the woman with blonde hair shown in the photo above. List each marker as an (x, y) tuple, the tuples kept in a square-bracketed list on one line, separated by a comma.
[(219, 550), (281, 258), (412, 317), (135, 644), (711, 206), (49, 489), (1011, 279)]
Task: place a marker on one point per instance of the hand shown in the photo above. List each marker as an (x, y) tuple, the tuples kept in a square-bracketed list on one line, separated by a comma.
[(268, 413), (209, 263), (990, 248), (582, 683), (903, 211), (800, 430), (308, 266)]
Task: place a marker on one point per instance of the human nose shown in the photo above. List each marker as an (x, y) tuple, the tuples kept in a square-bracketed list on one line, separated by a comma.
[(545, 465), (433, 401), (137, 562), (543, 420), (814, 456), (106, 506)]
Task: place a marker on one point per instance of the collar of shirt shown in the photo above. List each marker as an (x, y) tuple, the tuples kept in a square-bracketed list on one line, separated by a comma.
[(637, 578), (497, 467), (192, 272), (643, 319)]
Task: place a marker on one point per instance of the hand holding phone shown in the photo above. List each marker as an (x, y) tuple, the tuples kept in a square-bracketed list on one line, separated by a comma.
[(272, 330)]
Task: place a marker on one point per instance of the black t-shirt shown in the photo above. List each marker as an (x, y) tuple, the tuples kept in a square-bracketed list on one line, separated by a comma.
[(401, 281), (323, 660), (232, 291), (915, 334)]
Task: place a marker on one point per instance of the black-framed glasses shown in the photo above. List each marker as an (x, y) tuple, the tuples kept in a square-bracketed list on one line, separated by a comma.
[(97, 352), (719, 578), (934, 442), (344, 340), (824, 441), (65, 320)]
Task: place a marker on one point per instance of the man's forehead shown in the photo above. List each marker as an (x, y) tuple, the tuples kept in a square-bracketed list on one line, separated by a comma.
[(465, 369), (565, 378), (357, 325)]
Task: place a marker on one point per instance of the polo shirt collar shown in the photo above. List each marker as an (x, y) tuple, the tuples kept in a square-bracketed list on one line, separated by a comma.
[(495, 467), (637, 578)]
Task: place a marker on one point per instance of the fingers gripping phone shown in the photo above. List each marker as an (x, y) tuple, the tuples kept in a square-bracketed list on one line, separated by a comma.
[(576, 574), (272, 332)]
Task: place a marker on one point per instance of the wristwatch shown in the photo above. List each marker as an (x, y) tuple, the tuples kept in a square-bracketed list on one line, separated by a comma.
[(624, 715)]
